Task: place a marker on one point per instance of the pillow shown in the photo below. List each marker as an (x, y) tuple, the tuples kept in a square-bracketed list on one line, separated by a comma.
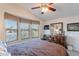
[(3, 49)]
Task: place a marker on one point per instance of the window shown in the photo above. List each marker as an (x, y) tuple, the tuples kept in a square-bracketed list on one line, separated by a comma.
[(35, 30), (11, 29), (19, 28), (24, 29)]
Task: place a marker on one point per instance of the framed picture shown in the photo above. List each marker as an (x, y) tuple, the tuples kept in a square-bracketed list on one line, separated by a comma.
[(57, 28), (73, 27)]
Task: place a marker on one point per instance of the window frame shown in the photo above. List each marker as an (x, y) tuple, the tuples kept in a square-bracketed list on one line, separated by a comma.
[(18, 20), (25, 21), (14, 18), (35, 29)]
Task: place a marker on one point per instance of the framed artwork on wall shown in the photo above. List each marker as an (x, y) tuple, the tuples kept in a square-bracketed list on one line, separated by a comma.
[(73, 27), (56, 28)]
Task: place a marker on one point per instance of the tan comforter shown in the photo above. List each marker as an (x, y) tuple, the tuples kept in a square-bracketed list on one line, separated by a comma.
[(37, 48)]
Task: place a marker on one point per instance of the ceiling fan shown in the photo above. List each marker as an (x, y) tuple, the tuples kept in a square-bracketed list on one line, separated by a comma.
[(45, 7)]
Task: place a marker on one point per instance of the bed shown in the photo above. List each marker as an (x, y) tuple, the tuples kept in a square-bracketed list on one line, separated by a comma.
[(37, 48)]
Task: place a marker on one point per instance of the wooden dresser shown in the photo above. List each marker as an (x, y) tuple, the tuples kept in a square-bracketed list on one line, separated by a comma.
[(59, 39)]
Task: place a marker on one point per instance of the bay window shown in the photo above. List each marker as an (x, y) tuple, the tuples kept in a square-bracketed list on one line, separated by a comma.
[(18, 28)]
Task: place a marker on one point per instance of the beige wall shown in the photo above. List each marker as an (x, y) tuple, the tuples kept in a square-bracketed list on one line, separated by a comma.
[(1, 26), (17, 11)]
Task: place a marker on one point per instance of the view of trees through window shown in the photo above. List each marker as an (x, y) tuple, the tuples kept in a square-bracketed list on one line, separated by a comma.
[(11, 30), (25, 29), (35, 30)]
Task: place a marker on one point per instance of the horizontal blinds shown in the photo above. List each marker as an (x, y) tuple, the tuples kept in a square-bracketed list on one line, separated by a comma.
[(13, 17)]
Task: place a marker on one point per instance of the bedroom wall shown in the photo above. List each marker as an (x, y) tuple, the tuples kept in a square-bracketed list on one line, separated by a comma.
[(73, 36), (17, 11)]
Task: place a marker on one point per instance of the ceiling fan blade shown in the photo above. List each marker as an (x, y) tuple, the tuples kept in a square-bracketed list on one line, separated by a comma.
[(35, 7), (50, 3), (52, 9)]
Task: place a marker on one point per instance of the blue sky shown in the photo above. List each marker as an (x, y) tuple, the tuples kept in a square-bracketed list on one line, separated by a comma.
[(10, 23)]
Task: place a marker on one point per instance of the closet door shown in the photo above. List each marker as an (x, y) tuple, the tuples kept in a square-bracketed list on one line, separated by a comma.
[(24, 29)]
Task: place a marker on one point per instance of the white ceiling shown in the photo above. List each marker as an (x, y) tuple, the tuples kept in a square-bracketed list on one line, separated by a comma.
[(62, 10)]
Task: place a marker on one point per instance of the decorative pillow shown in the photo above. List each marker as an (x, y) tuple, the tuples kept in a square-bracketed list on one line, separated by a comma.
[(3, 49)]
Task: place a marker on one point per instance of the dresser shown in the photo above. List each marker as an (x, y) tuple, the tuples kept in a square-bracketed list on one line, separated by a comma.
[(59, 39)]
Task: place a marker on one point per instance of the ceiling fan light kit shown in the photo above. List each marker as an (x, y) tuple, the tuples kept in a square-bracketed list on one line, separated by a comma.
[(45, 7)]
